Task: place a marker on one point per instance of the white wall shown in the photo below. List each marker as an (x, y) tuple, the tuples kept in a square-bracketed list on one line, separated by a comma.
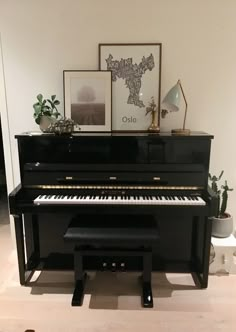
[(41, 38)]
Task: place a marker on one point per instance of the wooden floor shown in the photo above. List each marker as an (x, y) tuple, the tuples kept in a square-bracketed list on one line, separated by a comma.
[(112, 300)]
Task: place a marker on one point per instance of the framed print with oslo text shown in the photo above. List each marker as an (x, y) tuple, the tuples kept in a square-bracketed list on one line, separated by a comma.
[(136, 79)]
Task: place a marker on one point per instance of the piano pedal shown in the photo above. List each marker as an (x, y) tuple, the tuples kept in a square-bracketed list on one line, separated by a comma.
[(122, 267), (113, 267), (104, 266)]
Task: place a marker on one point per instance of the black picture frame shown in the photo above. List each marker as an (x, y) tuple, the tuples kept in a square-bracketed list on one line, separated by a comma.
[(87, 99)]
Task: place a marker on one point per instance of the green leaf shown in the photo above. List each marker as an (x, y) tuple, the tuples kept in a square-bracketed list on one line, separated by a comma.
[(53, 97), (37, 120), (50, 102), (56, 102), (46, 108), (37, 108), (40, 97), (56, 114)]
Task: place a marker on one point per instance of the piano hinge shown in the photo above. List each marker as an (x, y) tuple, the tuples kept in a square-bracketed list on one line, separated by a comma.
[(113, 187)]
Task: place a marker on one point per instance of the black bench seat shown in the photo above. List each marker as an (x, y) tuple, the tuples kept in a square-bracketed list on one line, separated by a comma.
[(109, 235), (113, 230)]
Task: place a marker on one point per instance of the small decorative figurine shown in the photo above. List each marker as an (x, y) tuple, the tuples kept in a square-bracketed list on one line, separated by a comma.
[(153, 109)]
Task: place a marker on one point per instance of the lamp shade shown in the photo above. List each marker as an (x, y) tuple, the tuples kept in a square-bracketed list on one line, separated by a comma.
[(171, 101)]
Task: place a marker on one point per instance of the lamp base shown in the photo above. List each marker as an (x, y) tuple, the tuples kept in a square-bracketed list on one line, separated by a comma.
[(180, 132), (154, 129)]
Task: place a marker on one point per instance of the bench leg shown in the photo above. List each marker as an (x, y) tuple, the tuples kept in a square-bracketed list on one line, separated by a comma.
[(80, 278), (78, 295), (147, 300)]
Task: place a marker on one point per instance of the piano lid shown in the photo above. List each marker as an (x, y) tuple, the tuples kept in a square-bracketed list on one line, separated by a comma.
[(115, 133), (117, 158), (115, 148)]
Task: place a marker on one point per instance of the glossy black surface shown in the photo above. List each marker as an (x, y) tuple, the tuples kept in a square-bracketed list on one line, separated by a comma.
[(49, 159), (95, 159), (114, 149)]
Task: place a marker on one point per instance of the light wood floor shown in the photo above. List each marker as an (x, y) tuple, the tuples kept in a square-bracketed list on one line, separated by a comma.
[(112, 301)]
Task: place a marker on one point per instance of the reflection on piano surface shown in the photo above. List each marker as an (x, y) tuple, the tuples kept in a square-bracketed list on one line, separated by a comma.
[(113, 174)]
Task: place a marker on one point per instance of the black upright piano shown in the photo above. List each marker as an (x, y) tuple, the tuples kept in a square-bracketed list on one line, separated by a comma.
[(161, 175)]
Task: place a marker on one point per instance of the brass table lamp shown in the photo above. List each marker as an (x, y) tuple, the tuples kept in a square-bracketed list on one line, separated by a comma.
[(171, 103)]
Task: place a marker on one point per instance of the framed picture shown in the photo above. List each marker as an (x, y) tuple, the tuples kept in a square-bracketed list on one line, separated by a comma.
[(87, 98), (136, 81)]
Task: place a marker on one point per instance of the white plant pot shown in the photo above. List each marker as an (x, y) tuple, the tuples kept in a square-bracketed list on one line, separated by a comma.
[(45, 122), (222, 227)]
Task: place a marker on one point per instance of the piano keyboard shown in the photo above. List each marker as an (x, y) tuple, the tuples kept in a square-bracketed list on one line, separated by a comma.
[(121, 200)]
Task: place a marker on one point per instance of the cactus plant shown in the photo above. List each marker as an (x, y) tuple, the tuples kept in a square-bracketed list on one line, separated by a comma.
[(222, 196)]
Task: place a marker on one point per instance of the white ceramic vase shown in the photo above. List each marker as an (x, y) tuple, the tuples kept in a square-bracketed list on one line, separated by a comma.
[(222, 227), (45, 122)]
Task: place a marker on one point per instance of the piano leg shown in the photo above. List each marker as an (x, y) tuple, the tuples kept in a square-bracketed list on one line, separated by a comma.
[(147, 300), (23, 274), (35, 233), (80, 279), (201, 277), (32, 247)]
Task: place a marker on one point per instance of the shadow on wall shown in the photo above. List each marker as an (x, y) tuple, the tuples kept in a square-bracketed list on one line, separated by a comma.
[(2, 164)]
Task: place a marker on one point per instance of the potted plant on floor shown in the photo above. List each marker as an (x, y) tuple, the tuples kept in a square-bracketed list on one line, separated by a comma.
[(45, 111), (222, 222)]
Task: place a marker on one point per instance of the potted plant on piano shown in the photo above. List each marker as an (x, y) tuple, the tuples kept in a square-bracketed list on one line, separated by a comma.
[(222, 222), (45, 111)]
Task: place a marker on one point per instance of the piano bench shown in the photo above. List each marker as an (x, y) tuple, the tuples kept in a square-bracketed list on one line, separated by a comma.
[(124, 238)]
